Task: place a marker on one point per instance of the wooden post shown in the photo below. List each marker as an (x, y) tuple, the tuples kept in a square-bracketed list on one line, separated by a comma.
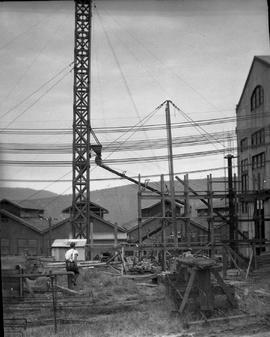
[(210, 213), (123, 258), (254, 255), (21, 281), (54, 301), (139, 215), (187, 209), (249, 264), (188, 290), (171, 170), (225, 261), (91, 239), (115, 235), (50, 235), (163, 221)]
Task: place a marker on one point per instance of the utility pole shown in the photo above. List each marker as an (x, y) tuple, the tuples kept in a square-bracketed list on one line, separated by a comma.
[(163, 224), (80, 216), (171, 171), (231, 196), (50, 234)]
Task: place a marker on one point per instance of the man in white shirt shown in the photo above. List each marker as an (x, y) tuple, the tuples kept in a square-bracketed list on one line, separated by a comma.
[(71, 261)]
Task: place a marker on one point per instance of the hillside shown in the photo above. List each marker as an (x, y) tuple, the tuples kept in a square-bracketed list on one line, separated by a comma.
[(24, 193), (121, 202)]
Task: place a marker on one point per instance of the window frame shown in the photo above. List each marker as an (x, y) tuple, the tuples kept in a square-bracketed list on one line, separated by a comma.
[(257, 98)]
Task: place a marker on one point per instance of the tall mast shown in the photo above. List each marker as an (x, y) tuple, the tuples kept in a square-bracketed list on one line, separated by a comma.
[(80, 216)]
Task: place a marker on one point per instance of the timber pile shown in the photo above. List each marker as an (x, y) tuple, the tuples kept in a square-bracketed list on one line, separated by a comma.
[(145, 266)]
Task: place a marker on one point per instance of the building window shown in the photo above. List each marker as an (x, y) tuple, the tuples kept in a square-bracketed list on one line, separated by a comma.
[(243, 144), (258, 161), (244, 207), (257, 98), (244, 166), (257, 181), (4, 246), (258, 138), (244, 182)]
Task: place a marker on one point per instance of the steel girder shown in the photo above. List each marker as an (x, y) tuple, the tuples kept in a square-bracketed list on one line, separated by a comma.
[(81, 121)]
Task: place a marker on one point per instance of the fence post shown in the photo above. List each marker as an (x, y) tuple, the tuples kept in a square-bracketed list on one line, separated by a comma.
[(53, 300)]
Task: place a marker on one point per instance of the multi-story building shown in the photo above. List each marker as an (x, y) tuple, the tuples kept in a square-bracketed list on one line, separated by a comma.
[(253, 140)]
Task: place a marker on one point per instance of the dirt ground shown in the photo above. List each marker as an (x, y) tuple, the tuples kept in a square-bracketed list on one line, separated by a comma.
[(110, 306)]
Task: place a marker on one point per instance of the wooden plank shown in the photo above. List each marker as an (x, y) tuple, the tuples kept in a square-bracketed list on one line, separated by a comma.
[(249, 264), (229, 250), (262, 292), (188, 290), (67, 290)]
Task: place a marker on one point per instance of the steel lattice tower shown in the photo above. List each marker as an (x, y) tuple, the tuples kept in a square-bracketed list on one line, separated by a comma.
[(81, 121)]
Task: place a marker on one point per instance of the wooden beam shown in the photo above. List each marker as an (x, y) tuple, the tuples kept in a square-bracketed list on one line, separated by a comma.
[(188, 290)]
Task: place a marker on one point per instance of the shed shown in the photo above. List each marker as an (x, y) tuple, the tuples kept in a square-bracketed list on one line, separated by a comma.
[(60, 246)]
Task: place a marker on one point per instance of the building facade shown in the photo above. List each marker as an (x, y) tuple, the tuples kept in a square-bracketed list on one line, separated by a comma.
[(253, 140)]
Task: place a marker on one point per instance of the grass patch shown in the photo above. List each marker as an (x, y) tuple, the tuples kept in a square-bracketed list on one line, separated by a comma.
[(151, 320), (104, 286)]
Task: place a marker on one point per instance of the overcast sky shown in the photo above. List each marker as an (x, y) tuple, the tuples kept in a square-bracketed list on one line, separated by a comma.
[(196, 53)]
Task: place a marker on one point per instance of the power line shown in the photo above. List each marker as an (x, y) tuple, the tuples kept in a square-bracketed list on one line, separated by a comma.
[(159, 61), (119, 129), (113, 178), (35, 91), (37, 100), (129, 160), (141, 144), (201, 130)]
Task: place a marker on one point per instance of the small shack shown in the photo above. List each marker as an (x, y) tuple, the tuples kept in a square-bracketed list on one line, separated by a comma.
[(60, 246)]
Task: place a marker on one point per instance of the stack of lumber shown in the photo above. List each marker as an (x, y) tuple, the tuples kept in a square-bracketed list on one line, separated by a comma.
[(81, 264)]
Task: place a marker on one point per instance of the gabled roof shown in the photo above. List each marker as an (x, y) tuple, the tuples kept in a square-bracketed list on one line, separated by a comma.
[(20, 220), (41, 225), (20, 206), (92, 205), (264, 59), (199, 223), (93, 215)]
